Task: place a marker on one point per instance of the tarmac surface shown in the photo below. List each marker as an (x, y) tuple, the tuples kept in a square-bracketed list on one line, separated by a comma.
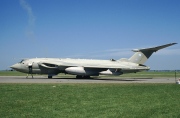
[(43, 79)]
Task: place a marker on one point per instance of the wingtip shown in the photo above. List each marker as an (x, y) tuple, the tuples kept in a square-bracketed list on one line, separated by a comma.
[(173, 43)]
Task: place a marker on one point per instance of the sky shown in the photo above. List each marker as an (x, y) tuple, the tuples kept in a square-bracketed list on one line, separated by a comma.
[(93, 29)]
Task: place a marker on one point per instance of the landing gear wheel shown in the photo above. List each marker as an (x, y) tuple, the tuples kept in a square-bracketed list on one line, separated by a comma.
[(82, 77), (79, 77), (86, 77), (49, 76)]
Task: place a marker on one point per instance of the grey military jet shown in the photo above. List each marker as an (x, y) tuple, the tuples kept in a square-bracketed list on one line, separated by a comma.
[(84, 68)]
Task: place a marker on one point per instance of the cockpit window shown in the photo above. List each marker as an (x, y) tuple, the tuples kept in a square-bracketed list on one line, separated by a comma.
[(22, 60)]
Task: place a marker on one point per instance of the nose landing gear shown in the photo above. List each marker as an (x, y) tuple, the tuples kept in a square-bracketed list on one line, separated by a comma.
[(30, 70)]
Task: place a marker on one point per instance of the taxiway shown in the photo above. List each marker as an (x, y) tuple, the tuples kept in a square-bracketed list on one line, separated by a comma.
[(43, 79)]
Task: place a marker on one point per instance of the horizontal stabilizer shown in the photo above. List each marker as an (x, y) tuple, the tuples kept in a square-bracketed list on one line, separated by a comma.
[(143, 54), (154, 49)]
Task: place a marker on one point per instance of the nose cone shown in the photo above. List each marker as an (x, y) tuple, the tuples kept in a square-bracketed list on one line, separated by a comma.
[(15, 67)]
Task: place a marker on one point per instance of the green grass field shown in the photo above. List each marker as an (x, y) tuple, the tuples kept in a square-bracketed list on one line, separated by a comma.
[(89, 100), (11, 73)]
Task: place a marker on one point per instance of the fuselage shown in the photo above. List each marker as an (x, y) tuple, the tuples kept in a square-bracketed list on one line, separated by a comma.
[(53, 66)]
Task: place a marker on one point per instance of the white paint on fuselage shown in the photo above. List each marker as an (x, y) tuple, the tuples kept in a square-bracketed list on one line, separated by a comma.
[(85, 62)]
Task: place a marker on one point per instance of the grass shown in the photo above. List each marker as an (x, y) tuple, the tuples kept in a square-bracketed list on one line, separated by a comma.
[(89, 100), (11, 73)]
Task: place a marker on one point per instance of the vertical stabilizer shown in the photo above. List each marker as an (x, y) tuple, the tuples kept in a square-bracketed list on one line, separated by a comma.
[(141, 55)]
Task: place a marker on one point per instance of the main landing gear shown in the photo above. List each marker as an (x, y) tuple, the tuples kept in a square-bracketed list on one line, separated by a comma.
[(82, 77), (49, 76)]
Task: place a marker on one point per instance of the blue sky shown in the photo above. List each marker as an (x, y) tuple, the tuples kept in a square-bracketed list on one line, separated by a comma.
[(95, 29)]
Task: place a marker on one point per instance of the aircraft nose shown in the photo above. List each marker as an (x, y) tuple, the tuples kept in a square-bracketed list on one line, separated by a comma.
[(15, 66)]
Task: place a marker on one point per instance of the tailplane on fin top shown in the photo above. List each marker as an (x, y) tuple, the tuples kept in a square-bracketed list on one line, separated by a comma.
[(141, 55)]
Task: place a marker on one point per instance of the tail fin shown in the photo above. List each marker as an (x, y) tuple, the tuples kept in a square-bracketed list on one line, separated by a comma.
[(141, 55)]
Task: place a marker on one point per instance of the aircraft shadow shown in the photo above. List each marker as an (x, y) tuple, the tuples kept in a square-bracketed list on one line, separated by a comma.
[(103, 79), (93, 79)]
